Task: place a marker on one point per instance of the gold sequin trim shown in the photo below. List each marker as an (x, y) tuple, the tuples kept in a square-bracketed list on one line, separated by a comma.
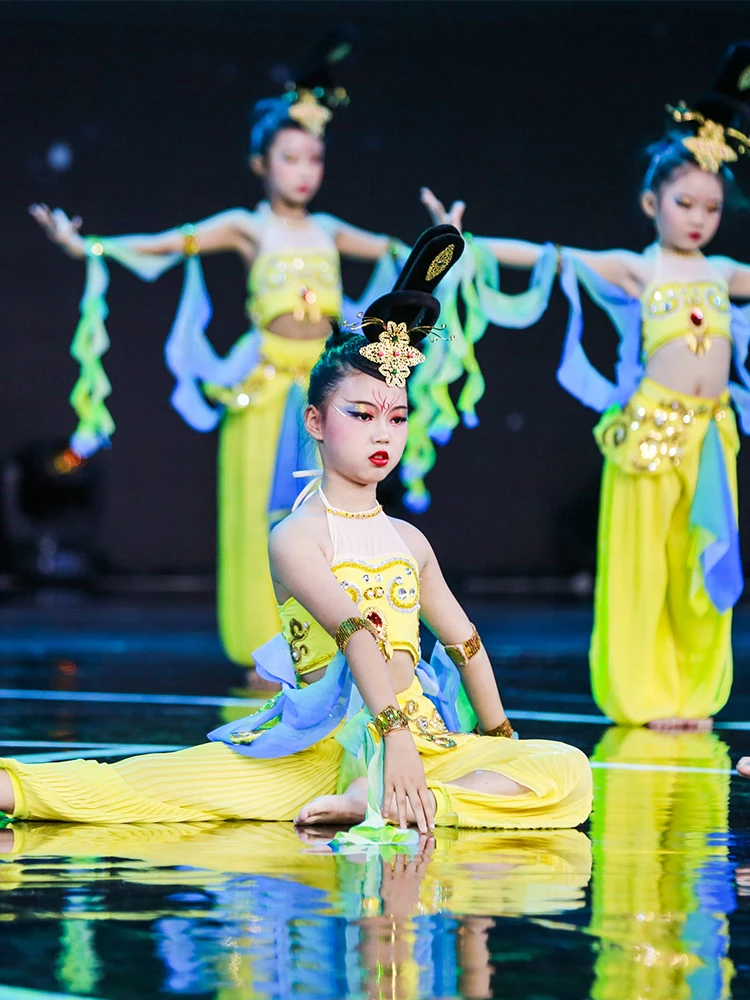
[(321, 661)]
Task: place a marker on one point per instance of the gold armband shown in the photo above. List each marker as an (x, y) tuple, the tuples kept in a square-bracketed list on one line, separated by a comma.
[(461, 652), (504, 729), (347, 629), (390, 720), (190, 244)]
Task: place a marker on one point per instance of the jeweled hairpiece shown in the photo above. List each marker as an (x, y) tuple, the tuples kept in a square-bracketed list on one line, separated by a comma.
[(393, 351), (709, 146), (308, 112)]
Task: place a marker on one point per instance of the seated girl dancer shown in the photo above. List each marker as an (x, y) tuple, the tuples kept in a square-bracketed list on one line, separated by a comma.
[(370, 723), (669, 569)]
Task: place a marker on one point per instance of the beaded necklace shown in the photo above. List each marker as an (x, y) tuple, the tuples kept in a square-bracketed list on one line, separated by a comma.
[(357, 515)]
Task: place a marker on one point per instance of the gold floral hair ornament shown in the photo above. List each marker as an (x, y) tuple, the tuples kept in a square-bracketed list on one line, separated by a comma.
[(709, 145), (393, 351), (309, 111)]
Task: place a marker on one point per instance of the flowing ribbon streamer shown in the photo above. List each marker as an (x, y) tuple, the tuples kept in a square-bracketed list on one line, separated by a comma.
[(91, 340)]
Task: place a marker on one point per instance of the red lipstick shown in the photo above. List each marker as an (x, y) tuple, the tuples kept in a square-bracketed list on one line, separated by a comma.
[(694, 237), (380, 459)]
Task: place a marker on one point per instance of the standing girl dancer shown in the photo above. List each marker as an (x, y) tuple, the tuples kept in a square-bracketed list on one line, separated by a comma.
[(351, 583), (256, 392), (669, 569)]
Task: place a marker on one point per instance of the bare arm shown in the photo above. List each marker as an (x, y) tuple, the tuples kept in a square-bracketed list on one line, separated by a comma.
[(450, 623), (233, 230), (615, 266), (300, 567), (736, 275), (357, 243)]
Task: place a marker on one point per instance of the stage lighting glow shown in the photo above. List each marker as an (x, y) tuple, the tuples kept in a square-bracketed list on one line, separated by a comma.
[(60, 157)]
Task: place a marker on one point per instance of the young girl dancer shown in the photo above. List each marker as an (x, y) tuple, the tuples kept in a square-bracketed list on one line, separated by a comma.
[(361, 721), (669, 569), (256, 392)]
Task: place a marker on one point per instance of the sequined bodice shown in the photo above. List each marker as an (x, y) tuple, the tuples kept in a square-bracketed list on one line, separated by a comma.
[(386, 593), (383, 581), (303, 282), (694, 311)]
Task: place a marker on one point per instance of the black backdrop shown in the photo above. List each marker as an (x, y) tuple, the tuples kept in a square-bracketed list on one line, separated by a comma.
[(536, 113)]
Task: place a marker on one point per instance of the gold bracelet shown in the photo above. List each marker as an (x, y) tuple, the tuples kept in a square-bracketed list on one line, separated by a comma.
[(349, 627), (190, 244), (390, 720), (504, 729), (461, 652)]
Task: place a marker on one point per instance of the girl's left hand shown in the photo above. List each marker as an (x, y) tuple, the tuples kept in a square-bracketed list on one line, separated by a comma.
[(453, 216)]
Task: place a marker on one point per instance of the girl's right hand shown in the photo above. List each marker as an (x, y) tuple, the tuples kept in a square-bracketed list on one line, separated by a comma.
[(405, 783), (438, 213), (60, 229)]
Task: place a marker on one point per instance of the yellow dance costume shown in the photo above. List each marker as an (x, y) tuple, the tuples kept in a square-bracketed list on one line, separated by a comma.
[(269, 765), (668, 565), (261, 435)]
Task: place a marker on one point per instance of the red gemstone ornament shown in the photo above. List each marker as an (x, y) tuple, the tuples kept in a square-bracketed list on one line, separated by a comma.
[(696, 317)]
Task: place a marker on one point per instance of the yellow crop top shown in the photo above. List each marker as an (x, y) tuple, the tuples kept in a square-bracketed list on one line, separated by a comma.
[(694, 311), (304, 282), (387, 594)]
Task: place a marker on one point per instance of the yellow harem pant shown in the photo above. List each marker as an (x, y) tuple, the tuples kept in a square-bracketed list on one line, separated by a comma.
[(659, 649), (247, 610), (213, 782), (659, 833)]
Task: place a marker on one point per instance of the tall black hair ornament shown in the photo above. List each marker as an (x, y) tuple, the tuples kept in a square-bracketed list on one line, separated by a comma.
[(311, 94), (400, 320), (715, 129)]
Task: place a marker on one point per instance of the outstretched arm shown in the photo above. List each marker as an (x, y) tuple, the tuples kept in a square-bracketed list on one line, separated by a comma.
[(619, 267), (300, 568), (450, 623), (232, 230), (360, 244)]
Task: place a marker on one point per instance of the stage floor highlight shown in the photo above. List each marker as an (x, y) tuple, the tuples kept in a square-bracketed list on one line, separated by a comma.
[(648, 900)]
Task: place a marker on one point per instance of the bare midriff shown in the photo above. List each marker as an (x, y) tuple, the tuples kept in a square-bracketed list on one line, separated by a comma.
[(675, 366), (294, 329), (400, 667)]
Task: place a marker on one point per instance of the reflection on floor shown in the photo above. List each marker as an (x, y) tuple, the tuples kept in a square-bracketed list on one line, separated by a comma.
[(650, 900)]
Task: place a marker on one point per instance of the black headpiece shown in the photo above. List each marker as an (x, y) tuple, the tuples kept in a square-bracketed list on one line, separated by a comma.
[(397, 322), (715, 129), (310, 94)]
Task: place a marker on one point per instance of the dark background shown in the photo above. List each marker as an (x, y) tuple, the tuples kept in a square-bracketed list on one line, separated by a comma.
[(536, 113)]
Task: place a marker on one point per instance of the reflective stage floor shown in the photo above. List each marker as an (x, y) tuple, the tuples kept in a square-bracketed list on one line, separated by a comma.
[(650, 900)]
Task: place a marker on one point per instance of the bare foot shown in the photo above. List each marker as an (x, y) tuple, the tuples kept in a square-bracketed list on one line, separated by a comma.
[(330, 809), (743, 766)]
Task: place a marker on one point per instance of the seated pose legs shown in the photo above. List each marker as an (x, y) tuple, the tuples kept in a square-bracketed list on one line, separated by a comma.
[(359, 710)]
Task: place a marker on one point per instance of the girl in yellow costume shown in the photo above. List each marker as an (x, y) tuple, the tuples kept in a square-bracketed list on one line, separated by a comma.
[(361, 721), (256, 392), (669, 569)]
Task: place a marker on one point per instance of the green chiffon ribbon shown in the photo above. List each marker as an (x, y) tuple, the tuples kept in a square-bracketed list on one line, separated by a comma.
[(373, 832), (470, 299), (91, 340)]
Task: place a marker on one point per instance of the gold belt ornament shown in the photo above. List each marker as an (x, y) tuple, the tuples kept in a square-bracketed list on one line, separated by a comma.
[(656, 438), (430, 727)]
